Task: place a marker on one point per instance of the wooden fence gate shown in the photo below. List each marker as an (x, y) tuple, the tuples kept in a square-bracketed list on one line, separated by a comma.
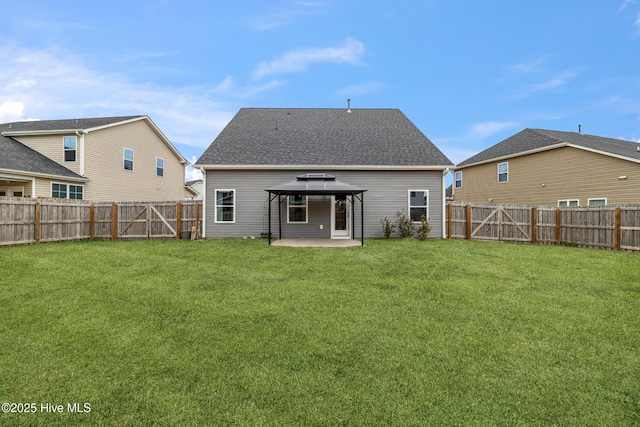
[(500, 223)]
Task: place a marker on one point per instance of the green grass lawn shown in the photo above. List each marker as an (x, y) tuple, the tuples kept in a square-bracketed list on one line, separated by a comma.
[(234, 332)]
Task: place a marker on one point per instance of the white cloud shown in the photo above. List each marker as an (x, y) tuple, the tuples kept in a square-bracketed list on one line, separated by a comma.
[(554, 82), (527, 67), (487, 129), (54, 83), (350, 51), (286, 15), (11, 111), (361, 89), (626, 3)]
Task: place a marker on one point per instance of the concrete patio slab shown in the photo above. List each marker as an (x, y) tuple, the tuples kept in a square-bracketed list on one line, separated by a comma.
[(316, 243)]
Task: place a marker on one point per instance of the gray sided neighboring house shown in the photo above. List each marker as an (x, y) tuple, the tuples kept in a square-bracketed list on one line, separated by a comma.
[(379, 150)]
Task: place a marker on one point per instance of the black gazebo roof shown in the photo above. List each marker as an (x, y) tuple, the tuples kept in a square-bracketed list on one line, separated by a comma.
[(315, 184)]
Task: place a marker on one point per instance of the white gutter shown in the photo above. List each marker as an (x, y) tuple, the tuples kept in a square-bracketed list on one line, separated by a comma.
[(326, 167)]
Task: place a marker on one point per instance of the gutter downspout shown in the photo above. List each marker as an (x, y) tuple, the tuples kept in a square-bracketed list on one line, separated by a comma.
[(81, 133), (204, 203), (444, 203)]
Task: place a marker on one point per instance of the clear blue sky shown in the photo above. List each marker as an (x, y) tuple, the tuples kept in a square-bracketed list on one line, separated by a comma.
[(467, 73)]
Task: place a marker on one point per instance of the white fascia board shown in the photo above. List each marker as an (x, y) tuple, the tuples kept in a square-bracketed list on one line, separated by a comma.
[(551, 147), (511, 156), (21, 174), (605, 153), (325, 167), (43, 132)]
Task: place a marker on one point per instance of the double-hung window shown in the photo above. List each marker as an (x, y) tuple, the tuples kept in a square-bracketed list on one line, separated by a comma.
[(458, 179), (70, 146), (64, 191), (159, 166), (597, 202), (128, 159), (503, 172), (418, 204), (58, 191), (225, 206), (297, 209), (568, 203)]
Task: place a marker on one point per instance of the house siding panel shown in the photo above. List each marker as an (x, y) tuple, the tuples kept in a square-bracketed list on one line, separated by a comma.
[(387, 194), (567, 173), (52, 147), (110, 181)]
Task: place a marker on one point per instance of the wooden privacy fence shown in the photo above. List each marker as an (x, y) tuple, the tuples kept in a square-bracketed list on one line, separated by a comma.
[(607, 227), (24, 220)]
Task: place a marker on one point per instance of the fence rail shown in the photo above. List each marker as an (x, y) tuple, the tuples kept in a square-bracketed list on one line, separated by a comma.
[(24, 220), (606, 227)]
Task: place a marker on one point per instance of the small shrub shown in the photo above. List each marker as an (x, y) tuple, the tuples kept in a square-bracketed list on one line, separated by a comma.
[(406, 227), (423, 229), (387, 227)]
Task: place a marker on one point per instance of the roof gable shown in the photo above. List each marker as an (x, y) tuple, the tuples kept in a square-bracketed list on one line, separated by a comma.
[(44, 127), (532, 140), (321, 137), (19, 158)]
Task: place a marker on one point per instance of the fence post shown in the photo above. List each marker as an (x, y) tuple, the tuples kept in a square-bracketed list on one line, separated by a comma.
[(178, 219), (92, 221), (449, 218), (558, 226), (37, 228), (197, 219), (617, 230), (534, 226), (469, 221), (114, 221)]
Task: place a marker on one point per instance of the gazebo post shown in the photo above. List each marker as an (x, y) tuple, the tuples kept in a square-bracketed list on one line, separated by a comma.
[(269, 201), (362, 219), (353, 216), (279, 218)]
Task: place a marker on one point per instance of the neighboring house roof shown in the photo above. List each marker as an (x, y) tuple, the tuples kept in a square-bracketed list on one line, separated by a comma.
[(290, 137), (530, 141), (62, 125), (191, 183), (42, 127), (18, 158)]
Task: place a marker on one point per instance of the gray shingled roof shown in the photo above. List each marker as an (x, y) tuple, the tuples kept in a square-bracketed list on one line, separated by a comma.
[(322, 136), (67, 124), (15, 156), (536, 139)]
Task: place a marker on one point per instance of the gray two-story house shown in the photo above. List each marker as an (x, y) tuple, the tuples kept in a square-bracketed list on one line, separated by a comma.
[(322, 172)]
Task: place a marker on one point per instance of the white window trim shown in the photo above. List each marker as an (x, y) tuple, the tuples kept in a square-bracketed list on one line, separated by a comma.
[(133, 158), (417, 206), (215, 205), (160, 158), (64, 150), (499, 173), (597, 198), (68, 190), (568, 201), (306, 210), (455, 180)]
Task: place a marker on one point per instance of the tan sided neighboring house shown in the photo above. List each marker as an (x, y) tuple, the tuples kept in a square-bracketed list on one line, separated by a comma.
[(100, 159), (546, 167)]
